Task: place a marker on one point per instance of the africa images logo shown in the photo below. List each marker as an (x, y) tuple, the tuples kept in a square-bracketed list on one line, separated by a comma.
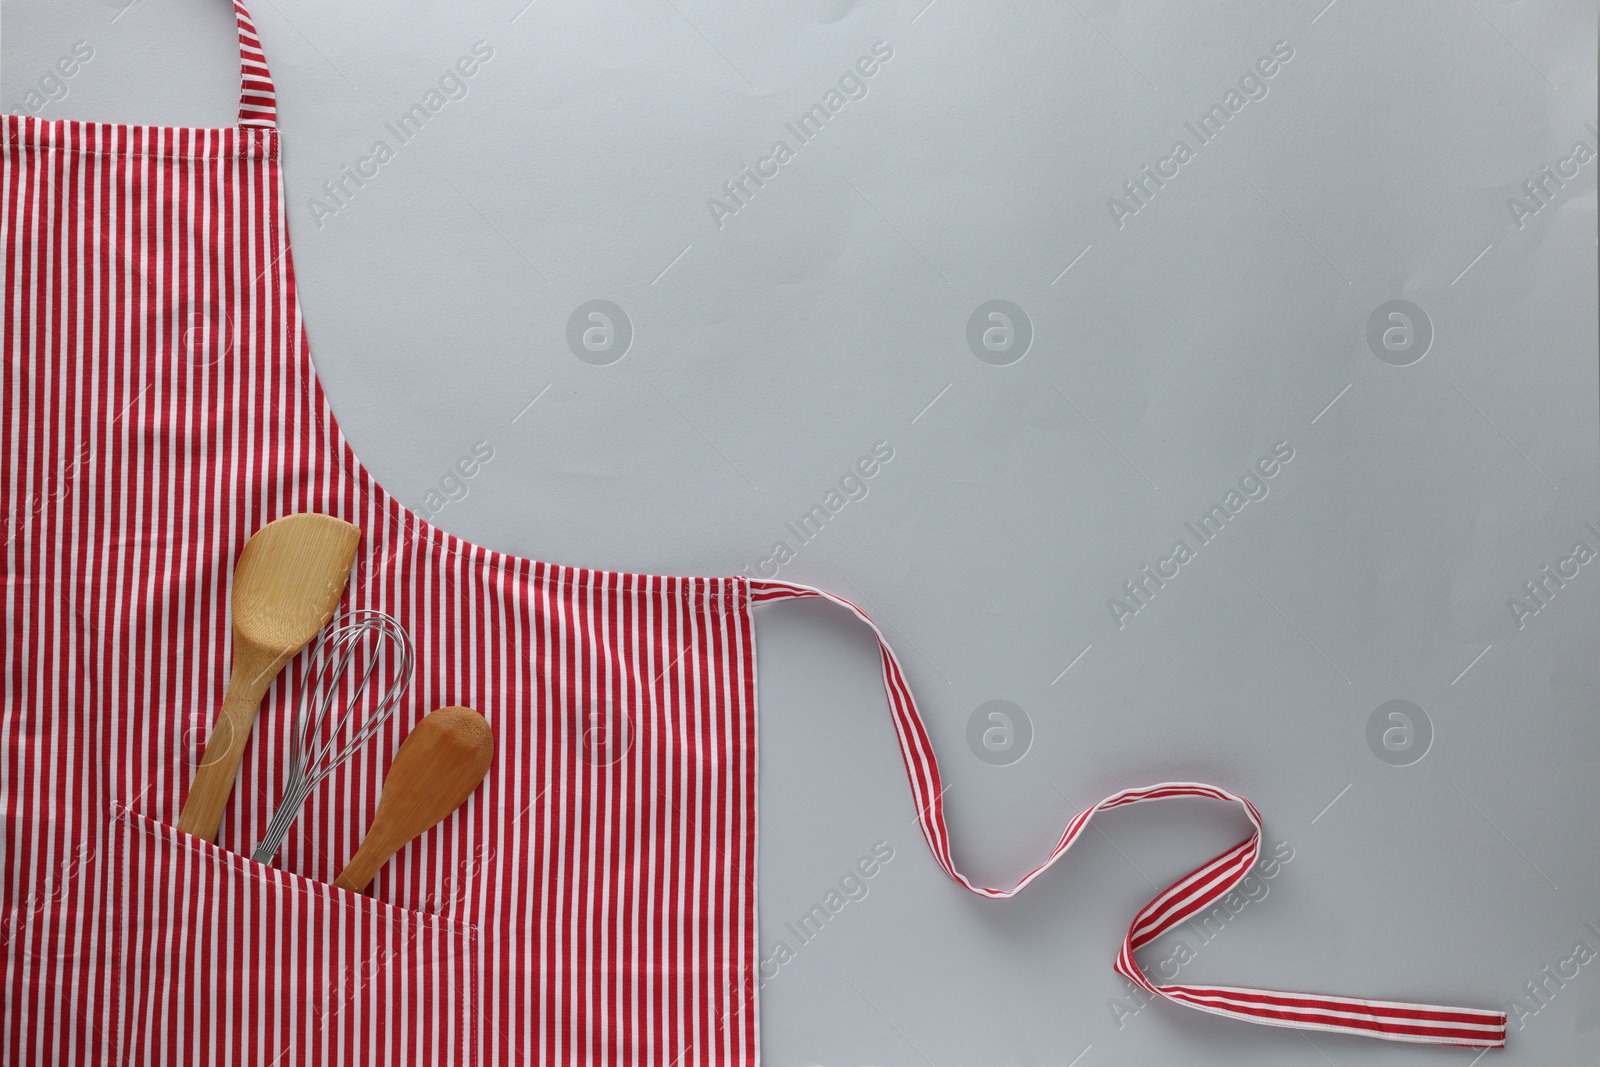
[(1252, 487), (738, 191), (1251, 86), (451, 85), (851, 486)]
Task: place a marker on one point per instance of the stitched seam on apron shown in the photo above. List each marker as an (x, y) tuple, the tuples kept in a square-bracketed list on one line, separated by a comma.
[(264, 147), (404, 917), (736, 596), (420, 922)]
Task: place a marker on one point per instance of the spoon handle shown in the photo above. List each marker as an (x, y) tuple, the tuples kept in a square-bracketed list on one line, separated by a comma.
[(363, 866), (213, 780)]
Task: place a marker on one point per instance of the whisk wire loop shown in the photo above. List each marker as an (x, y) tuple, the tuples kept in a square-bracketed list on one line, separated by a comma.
[(316, 751)]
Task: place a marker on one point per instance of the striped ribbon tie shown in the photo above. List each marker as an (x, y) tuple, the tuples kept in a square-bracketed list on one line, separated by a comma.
[(1189, 896)]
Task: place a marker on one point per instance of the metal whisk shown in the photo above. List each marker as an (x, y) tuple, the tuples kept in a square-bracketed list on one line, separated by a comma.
[(316, 749)]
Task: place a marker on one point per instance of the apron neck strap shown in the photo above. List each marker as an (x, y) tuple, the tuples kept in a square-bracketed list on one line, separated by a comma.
[(258, 104)]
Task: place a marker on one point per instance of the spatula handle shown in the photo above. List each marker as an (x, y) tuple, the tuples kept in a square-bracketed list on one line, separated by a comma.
[(219, 767), (363, 866)]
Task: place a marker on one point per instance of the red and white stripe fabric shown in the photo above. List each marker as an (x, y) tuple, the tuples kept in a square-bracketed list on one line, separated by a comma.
[(593, 904), (258, 102), (1192, 895)]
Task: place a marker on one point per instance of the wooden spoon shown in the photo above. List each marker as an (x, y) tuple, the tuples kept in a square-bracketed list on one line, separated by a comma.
[(439, 764), (290, 576)]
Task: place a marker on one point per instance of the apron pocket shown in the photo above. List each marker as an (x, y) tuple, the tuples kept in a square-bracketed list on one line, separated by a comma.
[(221, 960)]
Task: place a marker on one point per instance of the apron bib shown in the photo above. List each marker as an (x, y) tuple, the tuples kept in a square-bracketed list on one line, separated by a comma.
[(593, 903)]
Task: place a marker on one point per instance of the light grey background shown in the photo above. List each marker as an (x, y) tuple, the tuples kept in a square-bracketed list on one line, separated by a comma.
[(1168, 355)]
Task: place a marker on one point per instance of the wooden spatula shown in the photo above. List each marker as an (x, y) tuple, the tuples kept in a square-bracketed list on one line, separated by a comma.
[(439, 764), (289, 577)]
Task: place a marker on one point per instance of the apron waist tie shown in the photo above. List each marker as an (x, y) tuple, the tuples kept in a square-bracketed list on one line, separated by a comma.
[(1190, 895)]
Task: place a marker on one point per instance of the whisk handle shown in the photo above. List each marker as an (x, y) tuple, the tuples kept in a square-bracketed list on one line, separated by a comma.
[(253, 672)]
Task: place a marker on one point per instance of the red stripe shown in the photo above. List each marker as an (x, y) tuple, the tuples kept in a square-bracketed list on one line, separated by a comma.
[(1319, 1012), (1379, 1008)]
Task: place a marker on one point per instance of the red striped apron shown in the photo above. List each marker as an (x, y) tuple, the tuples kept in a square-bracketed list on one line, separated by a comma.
[(594, 903)]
